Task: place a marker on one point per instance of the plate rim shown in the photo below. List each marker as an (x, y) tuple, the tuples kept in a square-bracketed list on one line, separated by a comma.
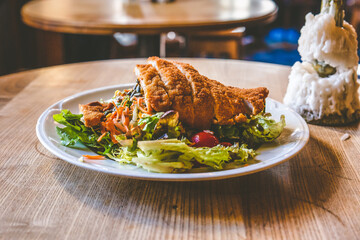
[(203, 176)]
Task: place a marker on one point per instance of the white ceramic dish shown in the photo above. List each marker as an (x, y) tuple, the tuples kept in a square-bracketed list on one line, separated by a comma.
[(292, 140)]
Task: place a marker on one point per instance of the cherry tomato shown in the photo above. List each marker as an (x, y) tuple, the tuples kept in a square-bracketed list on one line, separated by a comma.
[(226, 144), (204, 139)]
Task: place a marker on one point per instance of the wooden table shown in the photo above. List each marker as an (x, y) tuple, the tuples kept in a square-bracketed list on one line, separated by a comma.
[(315, 195), (106, 17)]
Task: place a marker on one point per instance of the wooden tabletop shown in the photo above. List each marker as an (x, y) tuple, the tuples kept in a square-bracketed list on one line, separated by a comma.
[(315, 195), (143, 16)]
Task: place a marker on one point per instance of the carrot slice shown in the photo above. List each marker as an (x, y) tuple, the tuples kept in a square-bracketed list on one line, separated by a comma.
[(146, 109), (120, 126), (123, 105), (101, 137), (118, 111), (96, 157)]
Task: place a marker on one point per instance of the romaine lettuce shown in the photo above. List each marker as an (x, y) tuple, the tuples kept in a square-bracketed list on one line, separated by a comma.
[(173, 155), (259, 129), (75, 134), (169, 155), (262, 129)]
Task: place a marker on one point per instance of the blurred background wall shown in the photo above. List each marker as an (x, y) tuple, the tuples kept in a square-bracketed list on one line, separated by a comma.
[(23, 47)]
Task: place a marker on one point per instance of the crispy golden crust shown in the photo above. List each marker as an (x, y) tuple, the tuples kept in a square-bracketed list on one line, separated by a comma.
[(200, 101), (223, 109), (154, 89), (177, 87), (239, 107), (93, 112), (231, 107), (201, 94), (254, 97)]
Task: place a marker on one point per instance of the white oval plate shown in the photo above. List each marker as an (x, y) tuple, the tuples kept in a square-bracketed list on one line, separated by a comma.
[(291, 141)]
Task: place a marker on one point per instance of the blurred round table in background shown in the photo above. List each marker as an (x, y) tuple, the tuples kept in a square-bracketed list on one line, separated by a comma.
[(106, 17), (111, 16)]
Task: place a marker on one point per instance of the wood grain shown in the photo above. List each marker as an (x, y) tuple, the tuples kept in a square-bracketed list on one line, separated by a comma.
[(315, 195), (11, 85), (142, 16)]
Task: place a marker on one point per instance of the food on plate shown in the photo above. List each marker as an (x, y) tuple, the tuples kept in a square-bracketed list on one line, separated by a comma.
[(323, 88), (198, 100), (173, 120)]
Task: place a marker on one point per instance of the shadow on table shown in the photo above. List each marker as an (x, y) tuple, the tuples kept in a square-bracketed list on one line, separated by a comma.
[(353, 127), (290, 190)]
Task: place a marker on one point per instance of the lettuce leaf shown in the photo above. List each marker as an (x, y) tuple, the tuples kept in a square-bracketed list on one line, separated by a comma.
[(150, 122), (169, 155), (262, 129), (75, 134), (259, 129), (173, 155), (161, 125), (70, 120)]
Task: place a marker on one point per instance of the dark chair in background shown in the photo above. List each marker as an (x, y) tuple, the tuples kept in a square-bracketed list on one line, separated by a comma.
[(217, 44)]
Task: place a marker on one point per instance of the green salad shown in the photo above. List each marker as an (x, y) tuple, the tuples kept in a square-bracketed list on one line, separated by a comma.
[(129, 133)]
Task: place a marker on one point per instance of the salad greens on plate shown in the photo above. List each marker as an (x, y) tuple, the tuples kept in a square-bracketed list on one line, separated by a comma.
[(129, 133)]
